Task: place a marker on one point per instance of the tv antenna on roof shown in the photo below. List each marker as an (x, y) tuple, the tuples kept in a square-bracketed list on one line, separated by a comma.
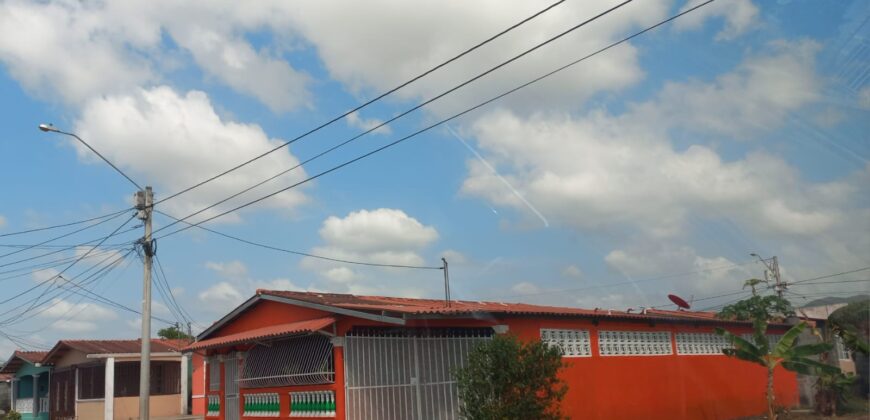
[(680, 302)]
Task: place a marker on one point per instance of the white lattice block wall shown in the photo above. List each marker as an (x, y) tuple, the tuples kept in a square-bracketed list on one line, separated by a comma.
[(574, 343), (701, 343), (634, 343)]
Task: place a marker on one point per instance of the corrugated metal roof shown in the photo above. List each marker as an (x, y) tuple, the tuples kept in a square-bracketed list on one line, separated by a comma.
[(110, 347), (272, 331), (422, 307), (15, 361)]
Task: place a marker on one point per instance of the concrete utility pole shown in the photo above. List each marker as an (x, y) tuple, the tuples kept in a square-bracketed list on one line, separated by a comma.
[(446, 283), (772, 270), (145, 204)]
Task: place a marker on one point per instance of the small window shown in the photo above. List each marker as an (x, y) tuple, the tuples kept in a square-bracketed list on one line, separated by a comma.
[(634, 343), (701, 343), (842, 352), (573, 343)]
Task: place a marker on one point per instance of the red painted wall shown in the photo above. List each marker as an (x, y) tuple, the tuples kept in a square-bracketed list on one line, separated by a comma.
[(197, 385), (610, 387)]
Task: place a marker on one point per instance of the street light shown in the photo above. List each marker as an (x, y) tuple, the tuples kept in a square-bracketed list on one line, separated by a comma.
[(48, 128)]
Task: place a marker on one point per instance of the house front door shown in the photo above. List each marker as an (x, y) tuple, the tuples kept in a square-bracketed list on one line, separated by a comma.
[(232, 411)]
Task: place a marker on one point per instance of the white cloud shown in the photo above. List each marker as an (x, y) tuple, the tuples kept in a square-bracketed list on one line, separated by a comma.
[(86, 311), (44, 275), (739, 15), (176, 140), (572, 271), (365, 124), (601, 170), (525, 288), (237, 286), (454, 257), (379, 47), (82, 50), (381, 236), (864, 98), (2, 221), (379, 230)]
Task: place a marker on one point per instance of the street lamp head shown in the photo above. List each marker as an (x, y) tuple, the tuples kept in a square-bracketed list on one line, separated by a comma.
[(753, 255), (47, 127)]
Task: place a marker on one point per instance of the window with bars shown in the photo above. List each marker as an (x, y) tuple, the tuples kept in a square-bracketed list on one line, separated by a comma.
[(92, 382), (634, 343), (573, 343), (701, 343), (297, 361), (165, 378), (214, 373)]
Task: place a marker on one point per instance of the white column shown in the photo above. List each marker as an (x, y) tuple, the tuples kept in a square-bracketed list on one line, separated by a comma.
[(109, 395), (184, 368)]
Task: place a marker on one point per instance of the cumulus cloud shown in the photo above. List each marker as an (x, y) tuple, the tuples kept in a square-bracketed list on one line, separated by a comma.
[(174, 140), (236, 286), (365, 124), (76, 317), (739, 17), (602, 170), (525, 288), (81, 50), (2, 221), (572, 271), (383, 236)]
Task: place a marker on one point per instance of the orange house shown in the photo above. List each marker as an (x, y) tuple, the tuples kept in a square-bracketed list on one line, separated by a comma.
[(314, 355)]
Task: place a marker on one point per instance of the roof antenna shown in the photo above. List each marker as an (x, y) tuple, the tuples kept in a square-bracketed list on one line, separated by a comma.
[(446, 283)]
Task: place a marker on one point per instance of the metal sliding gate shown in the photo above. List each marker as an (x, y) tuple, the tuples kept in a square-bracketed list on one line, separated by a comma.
[(406, 373), (231, 384)]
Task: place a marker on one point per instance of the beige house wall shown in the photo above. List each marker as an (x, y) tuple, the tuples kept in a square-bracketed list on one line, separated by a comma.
[(73, 357), (161, 406), (89, 410)]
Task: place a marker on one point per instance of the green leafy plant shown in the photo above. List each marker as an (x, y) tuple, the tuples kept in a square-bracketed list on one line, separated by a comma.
[(506, 379), (12, 415), (173, 332), (761, 310), (832, 390)]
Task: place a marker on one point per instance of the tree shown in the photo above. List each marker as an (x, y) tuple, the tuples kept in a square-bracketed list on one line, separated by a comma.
[(173, 333), (852, 324), (506, 379), (761, 310)]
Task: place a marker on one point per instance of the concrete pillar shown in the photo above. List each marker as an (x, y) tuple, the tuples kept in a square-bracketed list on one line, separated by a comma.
[(35, 395), (109, 395), (184, 382), (14, 393)]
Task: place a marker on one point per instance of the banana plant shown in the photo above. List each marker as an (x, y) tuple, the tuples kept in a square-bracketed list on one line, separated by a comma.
[(792, 357)]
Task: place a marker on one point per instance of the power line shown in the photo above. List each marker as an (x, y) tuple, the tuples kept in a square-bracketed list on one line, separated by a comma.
[(71, 248), (165, 291), (63, 236), (408, 111), (830, 275), (35, 268), (442, 121), (359, 107), (833, 282), (62, 225), (83, 256), (303, 254)]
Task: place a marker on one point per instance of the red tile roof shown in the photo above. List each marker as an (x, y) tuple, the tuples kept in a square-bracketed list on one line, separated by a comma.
[(111, 346), (408, 306), (272, 331), (19, 356)]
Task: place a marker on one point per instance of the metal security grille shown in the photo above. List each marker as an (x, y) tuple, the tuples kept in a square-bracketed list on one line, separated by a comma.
[(701, 343), (574, 343), (634, 343), (214, 373), (406, 373), (297, 361), (231, 385)]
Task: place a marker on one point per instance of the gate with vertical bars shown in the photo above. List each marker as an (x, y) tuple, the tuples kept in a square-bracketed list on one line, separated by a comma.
[(406, 373), (231, 387)]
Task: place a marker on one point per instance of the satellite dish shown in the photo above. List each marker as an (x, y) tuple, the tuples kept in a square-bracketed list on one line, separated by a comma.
[(682, 304)]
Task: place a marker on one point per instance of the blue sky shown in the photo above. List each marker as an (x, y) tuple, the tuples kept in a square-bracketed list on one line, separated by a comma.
[(654, 168)]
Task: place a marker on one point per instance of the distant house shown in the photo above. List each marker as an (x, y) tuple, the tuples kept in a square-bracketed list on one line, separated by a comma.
[(99, 379), (297, 354), (29, 384)]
